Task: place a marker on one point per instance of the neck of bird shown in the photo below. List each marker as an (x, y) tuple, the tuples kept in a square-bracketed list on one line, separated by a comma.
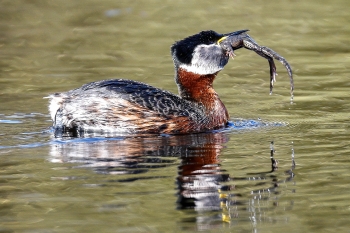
[(199, 89)]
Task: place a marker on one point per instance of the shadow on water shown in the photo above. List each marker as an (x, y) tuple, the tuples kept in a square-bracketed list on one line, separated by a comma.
[(210, 194)]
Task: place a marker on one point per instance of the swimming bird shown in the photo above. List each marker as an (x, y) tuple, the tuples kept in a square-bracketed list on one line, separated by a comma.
[(132, 107)]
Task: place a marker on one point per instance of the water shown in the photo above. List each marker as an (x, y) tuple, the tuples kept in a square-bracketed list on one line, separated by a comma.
[(223, 181)]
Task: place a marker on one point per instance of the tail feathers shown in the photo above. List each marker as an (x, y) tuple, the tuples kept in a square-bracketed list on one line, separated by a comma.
[(54, 106)]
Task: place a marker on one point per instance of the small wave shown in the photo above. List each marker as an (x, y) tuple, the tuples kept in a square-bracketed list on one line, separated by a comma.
[(10, 122), (251, 124)]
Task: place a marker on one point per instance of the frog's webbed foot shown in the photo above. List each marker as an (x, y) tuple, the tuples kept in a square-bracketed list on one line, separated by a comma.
[(239, 39), (269, 54)]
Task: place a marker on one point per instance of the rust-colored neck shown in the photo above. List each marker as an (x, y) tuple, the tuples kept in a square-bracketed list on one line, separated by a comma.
[(196, 87), (199, 88)]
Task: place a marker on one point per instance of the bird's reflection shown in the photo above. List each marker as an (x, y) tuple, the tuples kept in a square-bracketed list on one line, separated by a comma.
[(200, 174), (203, 185)]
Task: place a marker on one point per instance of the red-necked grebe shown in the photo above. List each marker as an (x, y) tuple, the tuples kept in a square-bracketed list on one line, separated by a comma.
[(127, 106)]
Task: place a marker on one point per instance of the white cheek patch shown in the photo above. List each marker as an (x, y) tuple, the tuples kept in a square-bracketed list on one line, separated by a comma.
[(206, 59), (202, 70)]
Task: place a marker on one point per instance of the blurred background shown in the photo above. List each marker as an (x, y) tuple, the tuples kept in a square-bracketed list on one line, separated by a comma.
[(153, 183)]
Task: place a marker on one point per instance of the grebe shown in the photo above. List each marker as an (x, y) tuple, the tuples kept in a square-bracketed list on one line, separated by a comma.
[(126, 106)]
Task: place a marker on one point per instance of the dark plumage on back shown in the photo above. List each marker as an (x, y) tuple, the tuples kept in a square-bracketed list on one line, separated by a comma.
[(154, 99)]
